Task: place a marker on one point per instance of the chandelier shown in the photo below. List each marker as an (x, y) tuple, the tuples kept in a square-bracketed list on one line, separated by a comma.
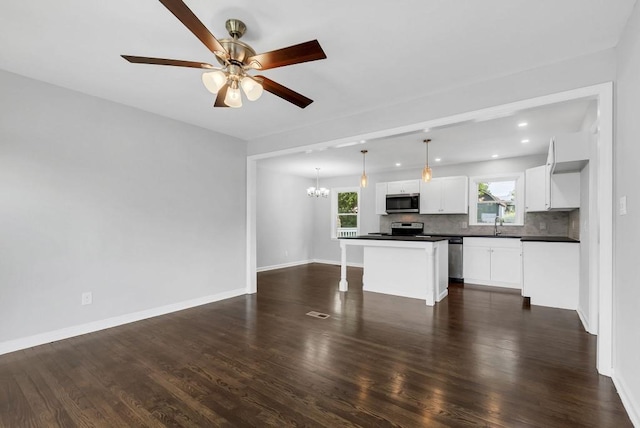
[(318, 191)]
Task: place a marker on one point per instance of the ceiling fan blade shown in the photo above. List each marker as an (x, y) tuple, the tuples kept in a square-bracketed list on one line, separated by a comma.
[(186, 16), (284, 92), (304, 52), (220, 98), (164, 61)]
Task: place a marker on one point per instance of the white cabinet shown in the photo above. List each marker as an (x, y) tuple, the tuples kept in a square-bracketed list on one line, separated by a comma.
[(381, 198), (492, 261), (534, 189), (545, 191), (551, 273), (406, 186), (568, 152), (445, 195)]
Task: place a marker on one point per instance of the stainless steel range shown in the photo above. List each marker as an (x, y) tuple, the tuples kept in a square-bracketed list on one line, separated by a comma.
[(406, 229)]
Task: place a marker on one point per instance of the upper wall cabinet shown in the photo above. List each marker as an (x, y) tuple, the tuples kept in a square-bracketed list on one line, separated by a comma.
[(545, 191), (568, 152), (381, 198), (446, 195), (406, 186)]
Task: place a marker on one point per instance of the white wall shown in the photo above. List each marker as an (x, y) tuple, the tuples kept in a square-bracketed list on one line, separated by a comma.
[(285, 218), (141, 210), (626, 293), (587, 298), (583, 289), (325, 248)]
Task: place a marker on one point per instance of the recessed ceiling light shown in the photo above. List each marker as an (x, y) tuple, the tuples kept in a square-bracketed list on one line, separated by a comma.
[(494, 156), (308, 151), (426, 130), (525, 141), (398, 164), (350, 143), (522, 124), (363, 141), (437, 159)]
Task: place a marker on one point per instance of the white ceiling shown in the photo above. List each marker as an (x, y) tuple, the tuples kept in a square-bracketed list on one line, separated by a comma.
[(460, 143), (379, 53)]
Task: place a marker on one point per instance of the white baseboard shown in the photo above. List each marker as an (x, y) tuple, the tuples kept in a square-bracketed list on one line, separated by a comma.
[(305, 262), (584, 319), (283, 265), (492, 283), (334, 262), (628, 401), (442, 295), (77, 330)]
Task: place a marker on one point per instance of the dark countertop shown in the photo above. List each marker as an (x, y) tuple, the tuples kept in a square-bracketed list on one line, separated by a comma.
[(548, 239), (438, 237), (399, 238)]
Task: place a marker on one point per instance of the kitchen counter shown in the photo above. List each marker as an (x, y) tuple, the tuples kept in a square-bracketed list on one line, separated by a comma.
[(381, 237), (548, 239), (406, 266), (425, 236)]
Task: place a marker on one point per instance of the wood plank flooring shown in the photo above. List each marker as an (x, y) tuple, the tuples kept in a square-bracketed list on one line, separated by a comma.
[(479, 358)]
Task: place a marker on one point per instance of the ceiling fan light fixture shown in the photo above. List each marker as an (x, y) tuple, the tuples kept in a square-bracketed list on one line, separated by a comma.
[(233, 97), (252, 89), (214, 80)]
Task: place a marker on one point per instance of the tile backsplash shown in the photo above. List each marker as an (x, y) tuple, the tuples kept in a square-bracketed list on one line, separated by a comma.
[(553, 223)]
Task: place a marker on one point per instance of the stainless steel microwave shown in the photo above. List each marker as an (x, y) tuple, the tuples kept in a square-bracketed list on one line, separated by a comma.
[(403, 203)]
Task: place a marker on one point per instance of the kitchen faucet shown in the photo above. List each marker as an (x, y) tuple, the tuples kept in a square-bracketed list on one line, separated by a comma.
[(495, 225)]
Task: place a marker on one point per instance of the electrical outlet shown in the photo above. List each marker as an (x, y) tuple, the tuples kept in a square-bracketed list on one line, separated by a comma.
[(543, 225), (463, 224), (286, 253), (87, 298), (622, 206)]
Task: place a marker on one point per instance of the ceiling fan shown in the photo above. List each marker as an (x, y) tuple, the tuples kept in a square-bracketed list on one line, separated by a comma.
[(236, 59)]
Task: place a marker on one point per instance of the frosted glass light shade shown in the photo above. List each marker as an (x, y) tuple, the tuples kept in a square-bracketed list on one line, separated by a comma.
[(233, 98), (214, 80), (426, 174), (363, 180), (252, 89)]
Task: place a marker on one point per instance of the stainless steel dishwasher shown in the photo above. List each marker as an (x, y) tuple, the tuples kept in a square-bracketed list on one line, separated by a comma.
[(455, 259)]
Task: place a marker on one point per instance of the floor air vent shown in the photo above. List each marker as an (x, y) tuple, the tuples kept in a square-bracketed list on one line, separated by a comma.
[(318, 315)]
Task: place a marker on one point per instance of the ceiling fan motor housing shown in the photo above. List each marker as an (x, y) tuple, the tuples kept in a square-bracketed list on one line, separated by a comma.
[(235, 27)]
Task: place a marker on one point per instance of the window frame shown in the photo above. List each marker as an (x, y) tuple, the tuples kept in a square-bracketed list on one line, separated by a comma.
[(520, 197), (334, 208)]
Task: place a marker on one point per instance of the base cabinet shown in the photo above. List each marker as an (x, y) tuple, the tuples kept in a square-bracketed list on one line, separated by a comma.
[(492, 261), (551, 273)]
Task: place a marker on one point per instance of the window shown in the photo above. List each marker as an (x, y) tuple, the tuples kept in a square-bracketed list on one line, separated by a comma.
[(345, 216), (497, 196)]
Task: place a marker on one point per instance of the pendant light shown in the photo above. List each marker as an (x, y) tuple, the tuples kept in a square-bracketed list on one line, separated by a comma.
[(363, 179), (317, 191), (426, 171)]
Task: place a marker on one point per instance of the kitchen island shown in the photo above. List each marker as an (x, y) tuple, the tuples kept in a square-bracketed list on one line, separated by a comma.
[(407, 266)]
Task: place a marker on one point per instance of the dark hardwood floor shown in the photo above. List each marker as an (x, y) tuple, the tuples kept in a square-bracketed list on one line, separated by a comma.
[(479, 358)]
